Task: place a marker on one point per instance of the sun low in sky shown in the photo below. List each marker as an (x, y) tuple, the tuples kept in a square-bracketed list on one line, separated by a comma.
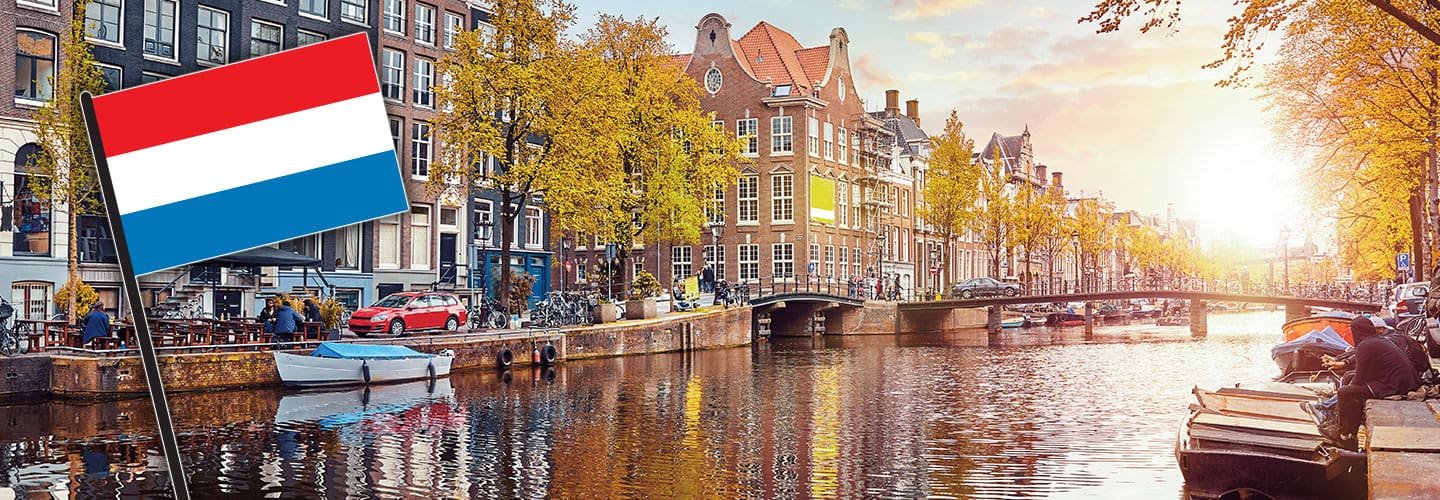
[(1133, 115)]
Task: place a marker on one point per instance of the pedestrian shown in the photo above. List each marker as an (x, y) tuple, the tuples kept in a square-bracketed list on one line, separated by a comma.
[(895, 291), (311, 311), (96, 324), (286, 321), (1381, 370), (267, 316), (707, 278)]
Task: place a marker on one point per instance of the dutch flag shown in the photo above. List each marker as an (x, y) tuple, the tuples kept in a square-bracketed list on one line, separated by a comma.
[(248, 154)]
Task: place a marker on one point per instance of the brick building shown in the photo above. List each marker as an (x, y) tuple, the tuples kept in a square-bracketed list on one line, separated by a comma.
[(33, 234)]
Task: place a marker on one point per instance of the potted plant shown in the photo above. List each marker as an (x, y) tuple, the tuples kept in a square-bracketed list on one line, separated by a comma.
[(642, 298), (331, 311), (605, 311)]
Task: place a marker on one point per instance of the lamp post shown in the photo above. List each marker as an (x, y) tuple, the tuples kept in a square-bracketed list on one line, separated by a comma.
[(1075, 243), (717, 229), (483, 229), (1285, 254), (564, 263), (935, 267)]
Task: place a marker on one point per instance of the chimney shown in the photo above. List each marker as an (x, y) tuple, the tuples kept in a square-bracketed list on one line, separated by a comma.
[(912, 110), (892, 102), (1040, 172), (1055, 179)]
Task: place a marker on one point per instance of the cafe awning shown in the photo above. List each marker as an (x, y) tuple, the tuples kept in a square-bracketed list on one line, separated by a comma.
[(264, 256)]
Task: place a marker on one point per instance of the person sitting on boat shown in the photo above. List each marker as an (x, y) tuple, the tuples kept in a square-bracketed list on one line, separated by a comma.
[(286, 321), (1381, 370)]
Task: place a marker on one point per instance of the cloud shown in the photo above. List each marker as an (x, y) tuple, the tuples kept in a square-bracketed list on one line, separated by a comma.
[(871, 76), (926, 9), (852, 5), (1038, 12), (939, 44)]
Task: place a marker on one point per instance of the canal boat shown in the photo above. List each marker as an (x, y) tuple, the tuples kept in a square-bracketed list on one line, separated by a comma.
[(1141, 308), (1173, 320), (335, 363), (1020, 321), (1338, 321), (1240, 442), (1306, 354)]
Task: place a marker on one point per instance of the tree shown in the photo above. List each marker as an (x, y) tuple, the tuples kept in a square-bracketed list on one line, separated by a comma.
[(1092, 231), (952, 181), (64, 157), (672, 156), (1052, 237), (993, 222), (1036, 218), (541, 106)]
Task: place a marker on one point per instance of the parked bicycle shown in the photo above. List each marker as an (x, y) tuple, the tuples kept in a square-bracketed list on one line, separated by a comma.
[(193, 309), (563, 309), (731, 295), (487, 313), (10, 341)]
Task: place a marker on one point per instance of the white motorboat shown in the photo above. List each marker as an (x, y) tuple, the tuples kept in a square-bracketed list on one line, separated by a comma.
[(345, 364)]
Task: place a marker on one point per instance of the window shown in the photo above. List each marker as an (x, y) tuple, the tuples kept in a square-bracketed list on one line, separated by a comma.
[(830, 261), (147, 77), (782, 259), (392, 77), (484, 219), (424, 79), (844, 262), (814, 259), (782, 198), (31, 299), (842, 204), (31, 215), (102, 20), (782, 133), (813, 129), (842, 139), (212, 29), (855, 216), (748, 194), (347, 247), (419, 237), (534, 229), (680, 262), (396, 125), (855, 260), (715, 209), (389, 236), (855, 149), (749, 262), (829, 141), (449, 216), (34, 65), (395, 16), (264, 38), (160, 28), (424, 24), (112, 76), (715, 258), (420, 150), (904, 203), (355, 11), (303, 38), (316, 8), (454, 24), (745, 130)]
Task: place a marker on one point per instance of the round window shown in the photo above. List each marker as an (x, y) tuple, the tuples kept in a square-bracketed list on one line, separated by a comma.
[(713, 79)]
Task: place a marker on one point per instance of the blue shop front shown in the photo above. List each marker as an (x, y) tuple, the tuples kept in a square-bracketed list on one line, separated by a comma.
[(536, 264)]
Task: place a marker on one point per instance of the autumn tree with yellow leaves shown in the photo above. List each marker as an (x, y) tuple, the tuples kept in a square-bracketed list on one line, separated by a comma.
[(1091, 229), (952, 182), (993, 222)]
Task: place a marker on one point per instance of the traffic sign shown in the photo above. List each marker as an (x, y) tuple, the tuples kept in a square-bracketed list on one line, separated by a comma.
[(812, 268), (1402, 261)]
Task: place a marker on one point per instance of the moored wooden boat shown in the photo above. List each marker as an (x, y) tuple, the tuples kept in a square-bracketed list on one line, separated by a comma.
[(1020, 321), (1340, 322), (345, 364)]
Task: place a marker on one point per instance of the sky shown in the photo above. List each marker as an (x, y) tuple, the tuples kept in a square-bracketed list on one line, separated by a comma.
[(1132, 116)]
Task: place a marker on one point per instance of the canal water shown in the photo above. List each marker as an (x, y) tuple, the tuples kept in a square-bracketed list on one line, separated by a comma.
[(1035, 413)]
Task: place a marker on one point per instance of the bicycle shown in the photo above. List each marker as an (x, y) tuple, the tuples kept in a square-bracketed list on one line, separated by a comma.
[(488, 314), (10, 343)]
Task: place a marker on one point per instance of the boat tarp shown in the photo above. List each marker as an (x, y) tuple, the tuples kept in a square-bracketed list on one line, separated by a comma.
[(364, 351), (1325, 341)]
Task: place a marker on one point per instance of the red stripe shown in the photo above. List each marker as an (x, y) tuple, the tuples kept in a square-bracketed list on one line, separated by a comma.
[(236, 94)]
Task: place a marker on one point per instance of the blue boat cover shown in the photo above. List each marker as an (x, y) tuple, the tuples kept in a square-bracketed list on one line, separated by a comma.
[(365, 351), (1325, 341)]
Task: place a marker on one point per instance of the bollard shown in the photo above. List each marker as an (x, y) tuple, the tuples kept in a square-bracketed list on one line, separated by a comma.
[(992, 319), (1198, 315), (1089, 317)]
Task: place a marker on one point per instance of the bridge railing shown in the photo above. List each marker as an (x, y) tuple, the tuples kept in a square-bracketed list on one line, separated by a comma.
[(766, 286)]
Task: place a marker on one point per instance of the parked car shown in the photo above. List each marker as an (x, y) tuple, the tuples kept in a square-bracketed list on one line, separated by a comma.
[(980, 287), (1408, 300), (398, 313)]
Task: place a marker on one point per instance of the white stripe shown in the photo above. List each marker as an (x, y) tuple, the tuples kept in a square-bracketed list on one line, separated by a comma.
[(250, 153)]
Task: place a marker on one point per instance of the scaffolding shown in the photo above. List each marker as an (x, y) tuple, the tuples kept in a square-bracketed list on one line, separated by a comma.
[(876, 149)]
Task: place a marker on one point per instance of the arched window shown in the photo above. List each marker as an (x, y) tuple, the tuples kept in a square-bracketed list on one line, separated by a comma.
[(34, 64), (30, 217)]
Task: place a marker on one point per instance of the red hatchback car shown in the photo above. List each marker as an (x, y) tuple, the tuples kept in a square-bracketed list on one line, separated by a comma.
[(404, 311)]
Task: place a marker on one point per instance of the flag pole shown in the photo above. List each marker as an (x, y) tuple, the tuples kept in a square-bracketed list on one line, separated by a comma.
[(132, 295)]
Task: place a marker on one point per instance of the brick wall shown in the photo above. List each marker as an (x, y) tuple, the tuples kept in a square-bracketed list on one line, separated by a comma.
[(724, 328)]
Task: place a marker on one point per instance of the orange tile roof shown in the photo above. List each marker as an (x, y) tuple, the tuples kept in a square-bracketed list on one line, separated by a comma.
[(680, 61), (770, 52), (814, 61)]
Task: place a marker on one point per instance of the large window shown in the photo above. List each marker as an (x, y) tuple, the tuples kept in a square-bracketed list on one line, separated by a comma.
[(303, 38), (160, 28), (830, 261), (782, 198), (419, 237), (534, 228), (420, 150), (355, 11), (484, 220), (782, 134), (392, 75), (842, 204), (812, 128), (748, 194), (842, 140), (347, 247), (749, 262), (829, 141), (424, 24), (395, 16), (264, 37), (715, 209), (34, 65), (424, 79), (397, 126), (318, 8), (844, 262), (102, 20), (747, 130), (782, 260), (112, 76), (31, 299), (715, 258), (680, 262), (855, 215), (212, 28), (389, 236), (32, 215), (454, 24), (856, 261)]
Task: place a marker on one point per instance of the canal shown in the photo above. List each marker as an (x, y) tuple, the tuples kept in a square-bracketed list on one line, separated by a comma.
[(1021, 414)]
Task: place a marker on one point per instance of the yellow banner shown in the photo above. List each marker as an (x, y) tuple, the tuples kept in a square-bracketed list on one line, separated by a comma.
[(692, 288), (822, 200)]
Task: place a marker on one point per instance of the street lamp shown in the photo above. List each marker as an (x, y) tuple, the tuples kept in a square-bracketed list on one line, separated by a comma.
[(935, 265), (717, 229), (1075, 243), (1285, 254), (564, 263), (483, 229)]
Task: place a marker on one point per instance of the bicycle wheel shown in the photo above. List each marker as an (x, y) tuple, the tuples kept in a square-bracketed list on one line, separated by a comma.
[(499, 320), (9, 343)]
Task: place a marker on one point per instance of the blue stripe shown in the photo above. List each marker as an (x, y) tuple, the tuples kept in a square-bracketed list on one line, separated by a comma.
[(265, 212)]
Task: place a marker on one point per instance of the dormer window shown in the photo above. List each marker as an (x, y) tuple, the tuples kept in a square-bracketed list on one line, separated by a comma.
[(781, 91)]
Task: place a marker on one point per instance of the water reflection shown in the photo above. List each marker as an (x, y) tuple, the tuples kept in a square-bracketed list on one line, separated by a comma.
[(63, 449), (1023, 414)]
